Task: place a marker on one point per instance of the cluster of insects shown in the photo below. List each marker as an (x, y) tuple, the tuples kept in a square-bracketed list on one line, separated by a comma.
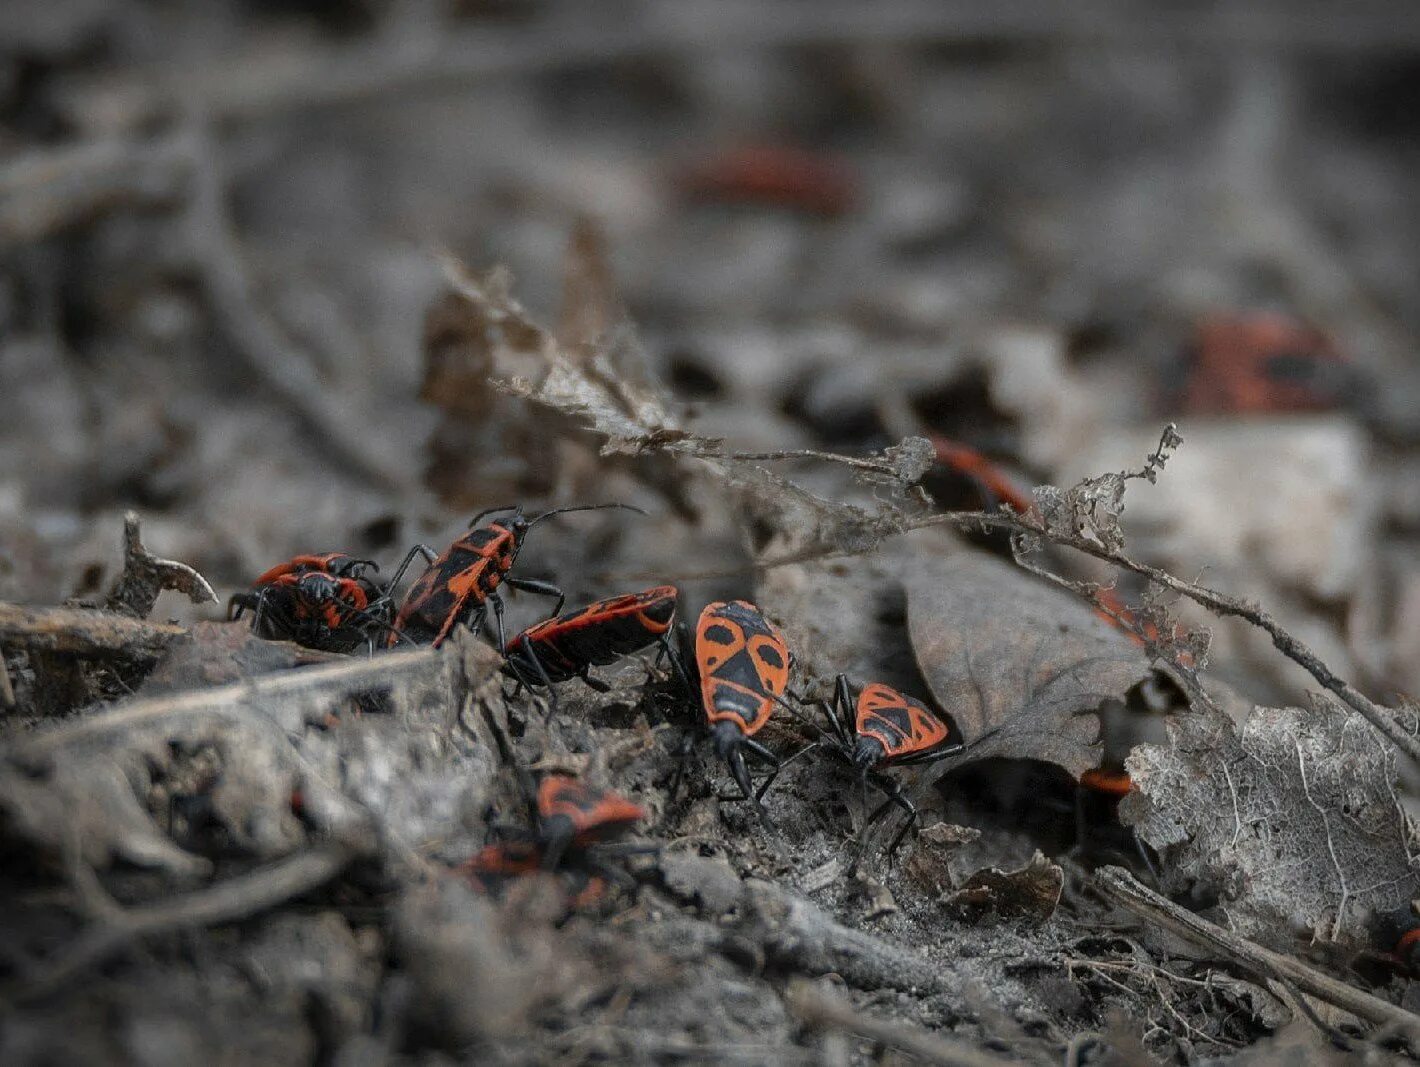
[(732, 669)]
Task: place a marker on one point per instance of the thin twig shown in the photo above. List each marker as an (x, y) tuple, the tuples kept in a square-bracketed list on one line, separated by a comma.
[(1218, 603), (1121, 886), (800, 936), (887, 470), (235, 898), (814, 1006)]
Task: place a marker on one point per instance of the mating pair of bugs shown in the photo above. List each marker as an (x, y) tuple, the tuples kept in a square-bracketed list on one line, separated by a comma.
[(330, 602)]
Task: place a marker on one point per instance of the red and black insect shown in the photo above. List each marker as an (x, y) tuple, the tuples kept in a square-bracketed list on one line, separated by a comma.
[(319, 601), (569, 646), (336, 564), (460, 584), (575, 832), (737, 669), (879, 730)]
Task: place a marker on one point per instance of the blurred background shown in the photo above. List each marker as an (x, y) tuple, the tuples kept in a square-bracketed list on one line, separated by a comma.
[(1035, 231)]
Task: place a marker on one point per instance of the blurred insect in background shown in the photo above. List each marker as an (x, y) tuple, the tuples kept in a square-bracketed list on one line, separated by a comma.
[(575, 832)]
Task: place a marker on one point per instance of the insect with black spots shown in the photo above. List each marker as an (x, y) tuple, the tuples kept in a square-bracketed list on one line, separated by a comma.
[(320, 601), (737, 668), (459, 585), (575, 834), (569, 646), (878, 730)]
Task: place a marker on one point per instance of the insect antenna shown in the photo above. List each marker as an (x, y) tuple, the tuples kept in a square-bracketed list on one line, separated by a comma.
[(491, 511), (585, 507)]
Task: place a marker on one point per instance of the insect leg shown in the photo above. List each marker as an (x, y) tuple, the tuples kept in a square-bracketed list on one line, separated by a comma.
[(258, 619), (843, 705), (513, 663), (554, 847), (429, 557), (686, 744), (236, 604), (533, 585), (895, 796), (677, 664), (740, 772), (497, 602), (542, 676), (595, 683), (781, 764)]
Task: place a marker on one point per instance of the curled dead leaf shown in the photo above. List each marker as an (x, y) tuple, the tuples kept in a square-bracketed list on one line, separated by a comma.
[(1021, 666)]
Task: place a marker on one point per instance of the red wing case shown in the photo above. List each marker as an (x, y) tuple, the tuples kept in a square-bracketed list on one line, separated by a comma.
[(743, 661)]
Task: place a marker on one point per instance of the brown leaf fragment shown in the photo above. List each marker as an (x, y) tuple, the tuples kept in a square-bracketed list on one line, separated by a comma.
[(1029, 892), (1021, 666), (145, 576), (1290, 819), (929, 865)]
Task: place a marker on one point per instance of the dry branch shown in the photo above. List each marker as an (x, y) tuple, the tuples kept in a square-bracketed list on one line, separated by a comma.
[(235, 898), (48, 190), (800, 936), (1120, 886), (326, 685), (84, 632), (1218, 603)]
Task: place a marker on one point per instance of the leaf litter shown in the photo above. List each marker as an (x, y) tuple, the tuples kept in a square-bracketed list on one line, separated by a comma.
[(402, 767), (1290, 820)]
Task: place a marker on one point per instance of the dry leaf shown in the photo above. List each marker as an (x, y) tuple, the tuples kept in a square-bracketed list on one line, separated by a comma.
[(603, 383), (1029, 892), (849, 616), (1291, 819), (1010, 657)]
